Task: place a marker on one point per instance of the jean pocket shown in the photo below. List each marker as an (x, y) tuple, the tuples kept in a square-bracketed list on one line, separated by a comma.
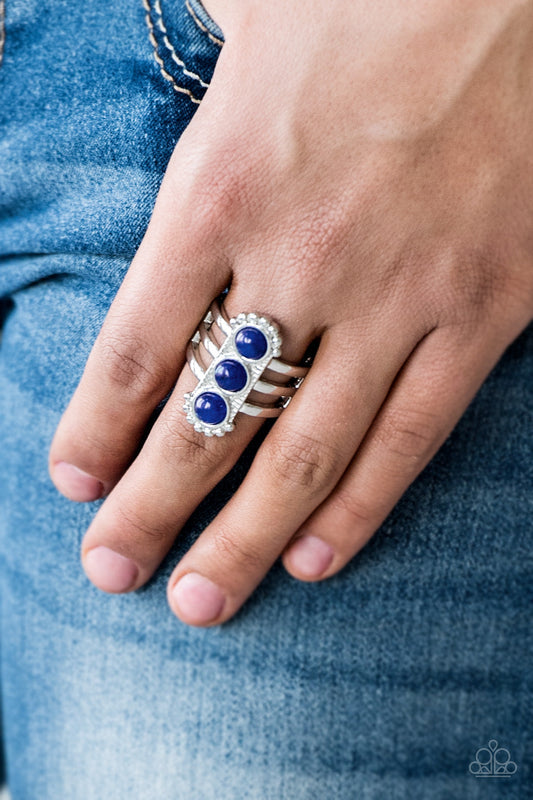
[(206, 23), (185, 48)]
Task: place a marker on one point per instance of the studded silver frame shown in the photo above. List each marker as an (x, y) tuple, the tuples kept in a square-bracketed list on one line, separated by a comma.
[(254, 369)]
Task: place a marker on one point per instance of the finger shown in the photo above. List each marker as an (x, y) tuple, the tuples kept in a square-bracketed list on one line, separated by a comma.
[(176, 468), (137, 355), (296, 467), (429, 396)]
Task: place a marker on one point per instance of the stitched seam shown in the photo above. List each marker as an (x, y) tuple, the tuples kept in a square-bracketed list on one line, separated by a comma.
[(201, 25), (168, 44), (157, 56), (2, 29)]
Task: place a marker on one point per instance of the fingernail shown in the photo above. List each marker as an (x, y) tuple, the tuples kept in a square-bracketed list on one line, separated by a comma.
[(198, 598), (311, 556), (76, 484), (110, 571)]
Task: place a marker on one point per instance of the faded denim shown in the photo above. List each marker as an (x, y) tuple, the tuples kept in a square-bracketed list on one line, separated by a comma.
[(380, 683)]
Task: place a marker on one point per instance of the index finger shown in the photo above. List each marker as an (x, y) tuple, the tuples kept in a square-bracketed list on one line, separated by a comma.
[(135, 359)]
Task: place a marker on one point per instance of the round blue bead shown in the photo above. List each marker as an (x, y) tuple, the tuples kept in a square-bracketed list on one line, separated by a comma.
[(251, 343), (231, 375), (211, 408)]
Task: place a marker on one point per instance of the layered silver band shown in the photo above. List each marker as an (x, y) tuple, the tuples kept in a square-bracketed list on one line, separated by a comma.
[(221, 343)]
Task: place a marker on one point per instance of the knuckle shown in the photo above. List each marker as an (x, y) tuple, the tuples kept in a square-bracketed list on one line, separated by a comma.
[(319, 236), (130, 365), (302, 462), (230, 547), (473, 282), (103, 450), (408, 434), (211, 209), (139, 527), (179, 442), (228, 190), (358, 511)]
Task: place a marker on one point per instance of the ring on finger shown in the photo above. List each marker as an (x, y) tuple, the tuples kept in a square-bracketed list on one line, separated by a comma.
[(237, 362)]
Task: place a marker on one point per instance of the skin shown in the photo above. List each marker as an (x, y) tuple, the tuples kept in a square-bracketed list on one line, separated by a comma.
[(376, 194)]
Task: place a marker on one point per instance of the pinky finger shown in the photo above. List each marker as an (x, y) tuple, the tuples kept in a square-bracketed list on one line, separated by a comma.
[(427, 399)]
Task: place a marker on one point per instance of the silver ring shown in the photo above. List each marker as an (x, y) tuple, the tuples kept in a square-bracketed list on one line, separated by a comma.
[(239, 370)]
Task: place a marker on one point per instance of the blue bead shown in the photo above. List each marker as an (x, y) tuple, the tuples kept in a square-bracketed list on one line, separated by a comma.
[(211, 408), (251, 343), (231, 375)]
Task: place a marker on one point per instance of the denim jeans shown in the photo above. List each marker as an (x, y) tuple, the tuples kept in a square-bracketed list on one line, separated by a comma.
[(380, 683)]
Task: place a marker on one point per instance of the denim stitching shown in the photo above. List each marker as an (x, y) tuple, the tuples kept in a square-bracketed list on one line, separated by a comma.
[(157, 56), (201, 25), (2, 30), (168, 44)]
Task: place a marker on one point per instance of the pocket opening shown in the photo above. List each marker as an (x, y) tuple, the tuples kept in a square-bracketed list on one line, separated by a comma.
[(206, 23)]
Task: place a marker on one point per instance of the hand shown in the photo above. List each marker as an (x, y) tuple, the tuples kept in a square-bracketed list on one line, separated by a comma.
[(362, 174)]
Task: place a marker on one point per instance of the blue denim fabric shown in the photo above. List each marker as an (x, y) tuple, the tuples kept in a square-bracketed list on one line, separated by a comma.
[(380, 683)]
